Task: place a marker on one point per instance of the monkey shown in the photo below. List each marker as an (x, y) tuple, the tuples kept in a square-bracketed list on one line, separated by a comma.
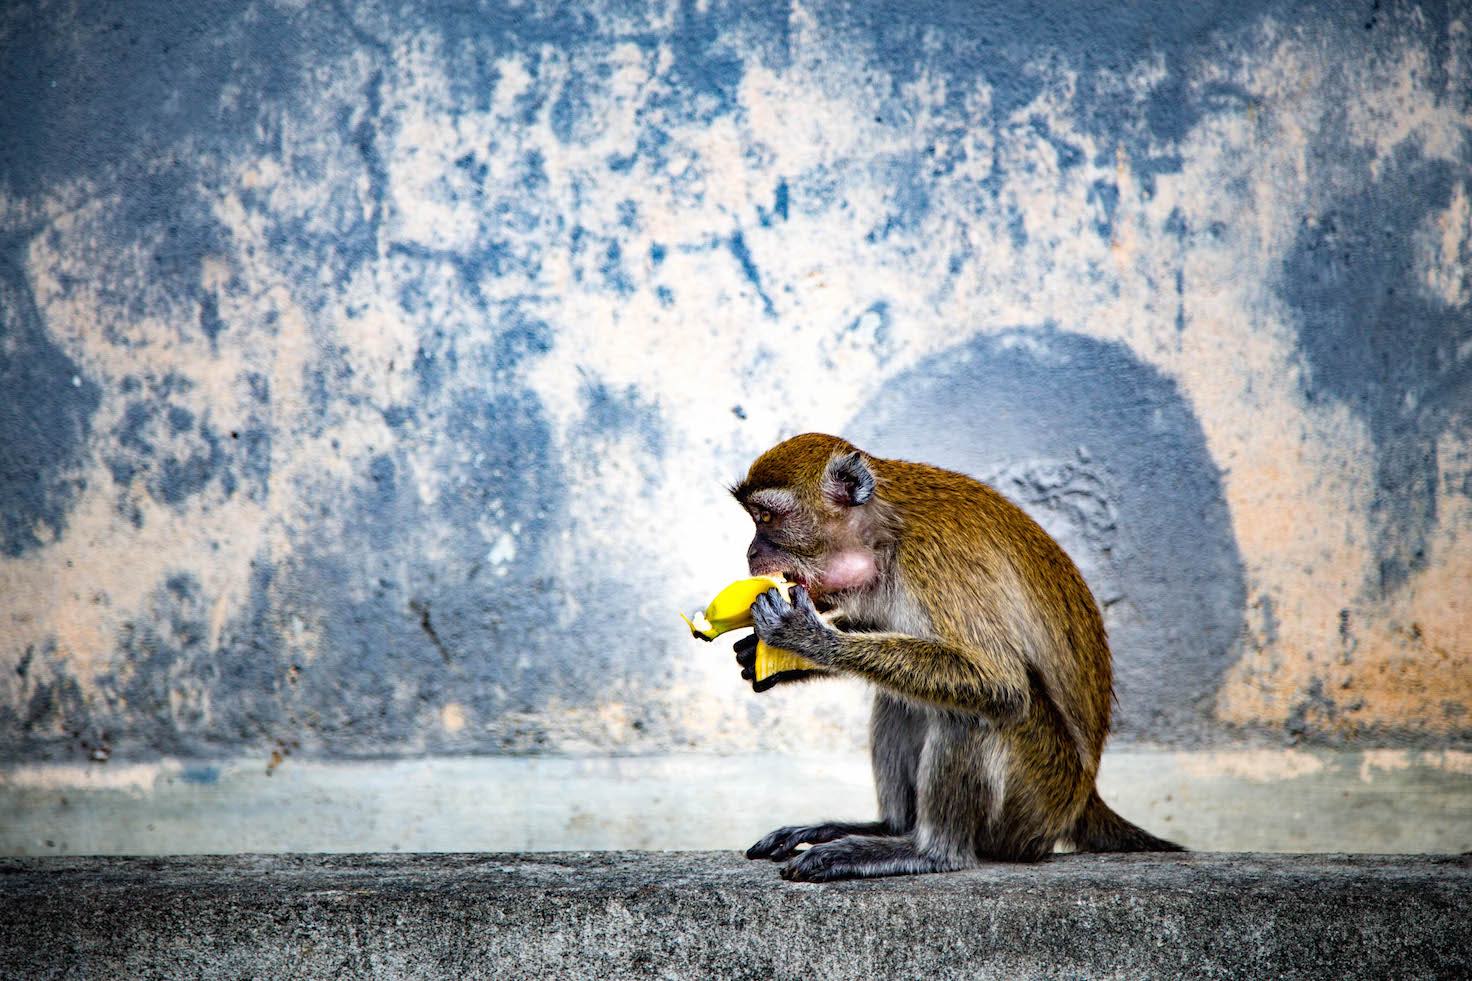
[(990, 668)]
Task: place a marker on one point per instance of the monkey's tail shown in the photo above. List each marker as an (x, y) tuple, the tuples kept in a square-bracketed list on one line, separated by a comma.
[(1099, 829)]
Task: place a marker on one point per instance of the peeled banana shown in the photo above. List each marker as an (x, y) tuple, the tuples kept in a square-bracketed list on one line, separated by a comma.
[(731, 610), (774, 660)]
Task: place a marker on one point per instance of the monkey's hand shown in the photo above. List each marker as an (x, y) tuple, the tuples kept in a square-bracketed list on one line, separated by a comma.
[(795, 626), (746, 657)]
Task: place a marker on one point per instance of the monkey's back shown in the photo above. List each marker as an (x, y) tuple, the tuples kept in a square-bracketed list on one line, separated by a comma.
[(989, 577)]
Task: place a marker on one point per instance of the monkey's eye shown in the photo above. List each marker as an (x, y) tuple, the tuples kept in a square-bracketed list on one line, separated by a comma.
[(765, 517)]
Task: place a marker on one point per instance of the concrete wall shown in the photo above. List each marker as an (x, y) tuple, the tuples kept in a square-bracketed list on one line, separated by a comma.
[(371, 375)]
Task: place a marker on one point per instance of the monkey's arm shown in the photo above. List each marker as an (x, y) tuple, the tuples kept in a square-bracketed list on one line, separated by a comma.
[(933, 671)]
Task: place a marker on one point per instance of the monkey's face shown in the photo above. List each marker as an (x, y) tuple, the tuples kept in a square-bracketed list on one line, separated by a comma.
[(811, 503), (788, 539)]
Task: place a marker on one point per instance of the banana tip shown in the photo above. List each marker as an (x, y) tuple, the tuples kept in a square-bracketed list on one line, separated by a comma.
[(704, 633)]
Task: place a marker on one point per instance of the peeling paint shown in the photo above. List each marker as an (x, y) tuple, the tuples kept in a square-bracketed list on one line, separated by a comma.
[(1383, 761), (1257, 765)]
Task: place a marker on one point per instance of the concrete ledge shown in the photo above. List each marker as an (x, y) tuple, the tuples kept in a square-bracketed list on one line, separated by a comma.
[(699, 914)]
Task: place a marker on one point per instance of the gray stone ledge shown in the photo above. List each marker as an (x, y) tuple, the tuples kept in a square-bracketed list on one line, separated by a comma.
[(702, 914)]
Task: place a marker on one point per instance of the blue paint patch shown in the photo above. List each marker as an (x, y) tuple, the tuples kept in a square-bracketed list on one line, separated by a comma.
[(181, 420), (518, 338), (779, 209), (175, 455), (1016, 227), (649, 148), (608, 412), (1069, 155), (908, 196), (562, 113), (996, 40), (384, 493), (1104, 196), (628, 215), (179, 478), (474, 169), (358, 242), (737, 246), (183, 586), (201, 774), (254, 454), (169, 666), (1180, 300), (209, 318), (397, 416), (1377, 342), (163, 209), (818, 189), (705, 76), (614, 274), (1176, 227), (88, 89), (1150, 167), (402, 633), (45, 416), (49, 701)]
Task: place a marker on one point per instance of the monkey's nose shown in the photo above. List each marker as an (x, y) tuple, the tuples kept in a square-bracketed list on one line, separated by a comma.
[(751, 551)]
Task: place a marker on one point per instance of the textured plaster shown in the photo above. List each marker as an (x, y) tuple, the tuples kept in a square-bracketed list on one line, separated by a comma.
[(372, 376)]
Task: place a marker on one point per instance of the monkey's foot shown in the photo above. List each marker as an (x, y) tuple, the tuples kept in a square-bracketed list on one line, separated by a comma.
[(783, 843), (860, 857)]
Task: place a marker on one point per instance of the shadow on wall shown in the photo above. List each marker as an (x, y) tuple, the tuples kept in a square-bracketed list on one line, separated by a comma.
[(1103, 451)]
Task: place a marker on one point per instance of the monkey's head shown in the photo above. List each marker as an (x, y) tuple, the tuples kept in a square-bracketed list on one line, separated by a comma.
[(818, 516)]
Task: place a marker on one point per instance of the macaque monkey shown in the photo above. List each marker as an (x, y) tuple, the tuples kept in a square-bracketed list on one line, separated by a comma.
[(985, 648)]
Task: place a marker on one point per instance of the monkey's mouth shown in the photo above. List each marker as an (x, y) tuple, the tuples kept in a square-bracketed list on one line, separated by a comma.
[(820, 600)]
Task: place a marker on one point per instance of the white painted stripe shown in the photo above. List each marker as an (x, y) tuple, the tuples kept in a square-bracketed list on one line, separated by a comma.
[(1237, 800)]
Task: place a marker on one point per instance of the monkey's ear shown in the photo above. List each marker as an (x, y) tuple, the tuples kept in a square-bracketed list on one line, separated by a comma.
[(849, 482)]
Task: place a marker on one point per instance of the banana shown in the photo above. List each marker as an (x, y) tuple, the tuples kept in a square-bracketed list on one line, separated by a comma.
[(772, 660), (731, 610)]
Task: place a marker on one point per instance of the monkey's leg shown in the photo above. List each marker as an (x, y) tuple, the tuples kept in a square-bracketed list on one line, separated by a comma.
[(859, 857), (1000, 794), (896, 735)]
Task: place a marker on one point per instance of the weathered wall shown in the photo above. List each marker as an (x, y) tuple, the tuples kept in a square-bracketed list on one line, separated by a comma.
[(370, 377)]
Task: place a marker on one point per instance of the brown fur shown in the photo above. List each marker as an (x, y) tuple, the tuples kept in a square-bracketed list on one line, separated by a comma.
[(986, 649)]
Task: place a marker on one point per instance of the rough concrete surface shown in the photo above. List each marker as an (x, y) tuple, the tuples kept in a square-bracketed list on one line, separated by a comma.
[(610, 915)]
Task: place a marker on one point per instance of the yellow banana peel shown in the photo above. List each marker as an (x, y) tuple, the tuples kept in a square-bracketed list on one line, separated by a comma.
[(731, 610)]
